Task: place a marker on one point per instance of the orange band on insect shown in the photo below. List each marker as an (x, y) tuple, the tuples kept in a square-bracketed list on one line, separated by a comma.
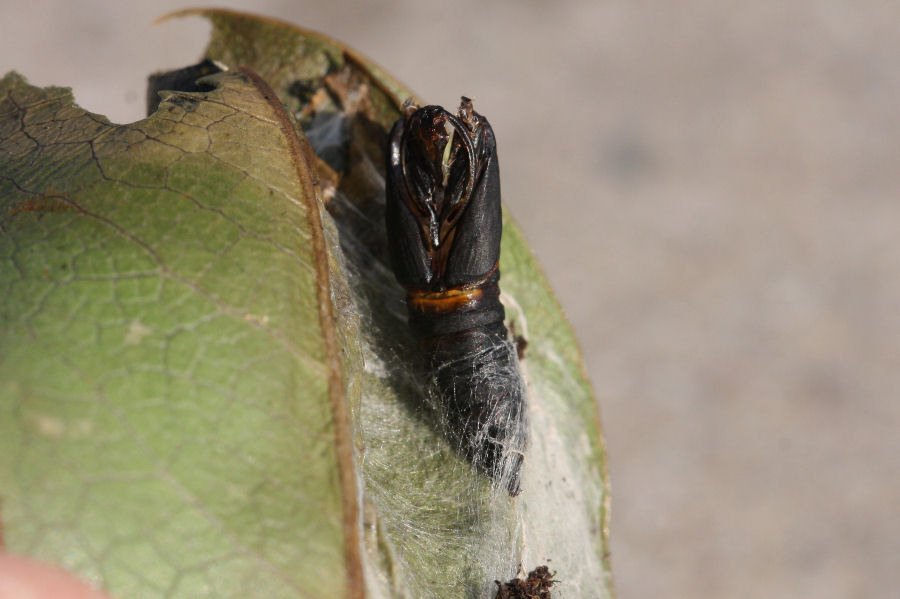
[(443, 302)]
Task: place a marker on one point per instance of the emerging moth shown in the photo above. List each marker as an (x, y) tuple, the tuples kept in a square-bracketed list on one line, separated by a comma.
[(444, 224)]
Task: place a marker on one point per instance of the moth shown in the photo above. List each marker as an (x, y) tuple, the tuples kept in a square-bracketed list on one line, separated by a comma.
[(444, 223)]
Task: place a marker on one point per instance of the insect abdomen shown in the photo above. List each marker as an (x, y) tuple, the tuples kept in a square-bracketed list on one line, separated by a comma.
[(475, 372)]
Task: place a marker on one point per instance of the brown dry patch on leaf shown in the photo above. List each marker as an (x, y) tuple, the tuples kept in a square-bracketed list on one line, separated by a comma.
[(45, 203)]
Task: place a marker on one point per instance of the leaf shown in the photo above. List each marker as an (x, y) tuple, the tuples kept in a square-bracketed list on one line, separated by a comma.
[(192, 346), (164, 426)]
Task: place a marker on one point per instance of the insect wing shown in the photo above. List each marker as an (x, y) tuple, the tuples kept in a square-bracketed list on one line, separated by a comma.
[(476, 245), (410, 258)]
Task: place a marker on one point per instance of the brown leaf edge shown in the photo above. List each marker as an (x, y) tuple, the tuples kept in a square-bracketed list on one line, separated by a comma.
[(302, 157)]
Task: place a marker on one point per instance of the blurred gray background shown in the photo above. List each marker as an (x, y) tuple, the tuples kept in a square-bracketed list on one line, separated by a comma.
[(713, 189)]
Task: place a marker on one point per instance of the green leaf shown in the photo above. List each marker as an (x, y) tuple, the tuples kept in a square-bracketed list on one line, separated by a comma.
[(165, 426), (207, 386)]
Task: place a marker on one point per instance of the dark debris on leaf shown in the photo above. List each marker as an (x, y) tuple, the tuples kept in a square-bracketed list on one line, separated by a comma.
[(536, 586)]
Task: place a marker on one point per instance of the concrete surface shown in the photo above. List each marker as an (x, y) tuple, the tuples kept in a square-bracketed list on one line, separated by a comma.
[(714, 190)]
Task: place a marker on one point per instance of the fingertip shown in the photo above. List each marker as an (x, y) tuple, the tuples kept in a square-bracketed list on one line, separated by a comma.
[(22, 578)]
